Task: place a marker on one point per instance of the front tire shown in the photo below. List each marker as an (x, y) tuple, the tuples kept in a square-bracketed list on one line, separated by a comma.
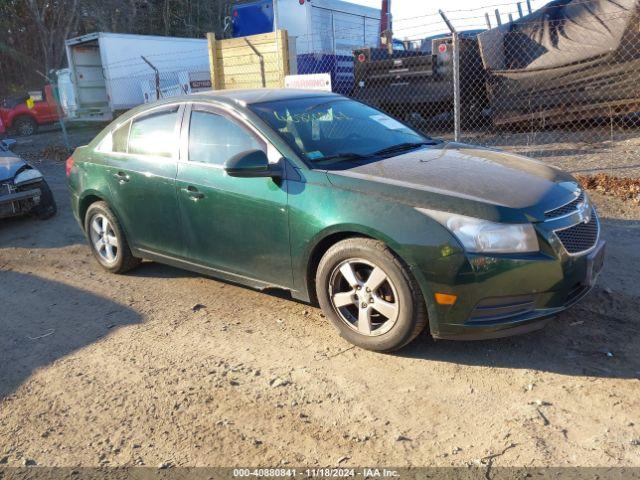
[(370, 295), (107, 240)]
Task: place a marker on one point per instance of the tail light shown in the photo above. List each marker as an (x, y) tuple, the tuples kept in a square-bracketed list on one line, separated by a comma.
[(69, 165)]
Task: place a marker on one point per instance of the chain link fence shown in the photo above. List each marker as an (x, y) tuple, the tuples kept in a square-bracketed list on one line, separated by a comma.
[(561, 84)]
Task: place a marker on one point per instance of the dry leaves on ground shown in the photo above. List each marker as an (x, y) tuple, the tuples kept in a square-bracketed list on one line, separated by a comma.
[(625, 188)]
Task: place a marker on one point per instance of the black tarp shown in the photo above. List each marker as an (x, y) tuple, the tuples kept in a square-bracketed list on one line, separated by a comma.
[(568, 52)]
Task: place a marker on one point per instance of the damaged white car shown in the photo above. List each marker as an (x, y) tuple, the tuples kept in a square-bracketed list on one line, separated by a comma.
[(23, 189)]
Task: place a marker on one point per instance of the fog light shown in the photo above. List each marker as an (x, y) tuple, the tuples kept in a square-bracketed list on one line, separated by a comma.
[(446, 298)]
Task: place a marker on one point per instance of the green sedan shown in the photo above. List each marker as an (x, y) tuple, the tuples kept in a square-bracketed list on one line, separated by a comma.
[(340, 204)]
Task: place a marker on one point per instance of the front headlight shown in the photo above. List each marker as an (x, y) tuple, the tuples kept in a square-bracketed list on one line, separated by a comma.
[(483, 236), (27, 176)]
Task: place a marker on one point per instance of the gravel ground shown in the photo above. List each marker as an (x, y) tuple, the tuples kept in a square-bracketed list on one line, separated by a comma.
[(98, 369)]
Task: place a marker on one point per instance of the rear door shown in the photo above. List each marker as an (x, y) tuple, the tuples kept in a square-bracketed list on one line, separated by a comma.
[(142, 179), (235, 225), (86, 63)]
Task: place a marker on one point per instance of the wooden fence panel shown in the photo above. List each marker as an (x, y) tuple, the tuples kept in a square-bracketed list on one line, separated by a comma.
[(255, 61)]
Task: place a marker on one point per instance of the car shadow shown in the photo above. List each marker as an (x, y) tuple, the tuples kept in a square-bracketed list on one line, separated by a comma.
[(599, 337), (149, 269), (43, 321)]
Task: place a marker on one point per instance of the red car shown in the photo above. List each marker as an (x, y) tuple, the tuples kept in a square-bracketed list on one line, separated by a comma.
[(16, 114)]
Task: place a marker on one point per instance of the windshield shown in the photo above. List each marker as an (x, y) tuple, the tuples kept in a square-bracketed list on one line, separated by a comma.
[(322, 130)]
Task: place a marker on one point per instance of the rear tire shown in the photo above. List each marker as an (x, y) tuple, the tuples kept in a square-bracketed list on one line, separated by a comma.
[(25, 125), (107, 240), (370, 295)]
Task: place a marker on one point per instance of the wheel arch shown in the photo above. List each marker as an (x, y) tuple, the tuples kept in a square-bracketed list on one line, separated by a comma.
[(86, 201), (16, 116), (329, 237)]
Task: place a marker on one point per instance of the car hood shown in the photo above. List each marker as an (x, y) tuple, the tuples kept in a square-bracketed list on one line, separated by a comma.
[(10, 165), (473, 175)]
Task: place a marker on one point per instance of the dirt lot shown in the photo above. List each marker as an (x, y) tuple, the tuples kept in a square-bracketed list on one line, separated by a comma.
[(97, 369)]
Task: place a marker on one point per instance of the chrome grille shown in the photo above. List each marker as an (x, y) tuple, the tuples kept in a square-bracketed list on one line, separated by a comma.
[(581, 237), (565, 209)]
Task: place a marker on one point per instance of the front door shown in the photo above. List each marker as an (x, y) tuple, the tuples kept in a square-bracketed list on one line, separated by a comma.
[(142, 174), (235, 225)]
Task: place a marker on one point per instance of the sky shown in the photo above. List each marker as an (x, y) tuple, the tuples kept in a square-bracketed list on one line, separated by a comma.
[(416, 19)]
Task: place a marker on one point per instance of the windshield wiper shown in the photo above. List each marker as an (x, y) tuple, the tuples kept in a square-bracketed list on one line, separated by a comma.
[(341, 156), (359, 156), (402, 147)]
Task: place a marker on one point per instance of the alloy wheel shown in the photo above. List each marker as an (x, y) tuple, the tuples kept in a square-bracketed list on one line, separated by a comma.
[(364, 297), (104, 239)]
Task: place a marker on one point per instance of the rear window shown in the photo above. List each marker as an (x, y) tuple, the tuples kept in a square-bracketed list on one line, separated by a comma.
[(120, 136), (115, 141)]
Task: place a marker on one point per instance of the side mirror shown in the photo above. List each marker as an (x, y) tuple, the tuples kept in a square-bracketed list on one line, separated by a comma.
[(251, 164), (9, 144)]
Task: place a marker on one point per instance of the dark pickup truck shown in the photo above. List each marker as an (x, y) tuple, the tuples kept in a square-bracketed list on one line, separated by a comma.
[(417, 86)]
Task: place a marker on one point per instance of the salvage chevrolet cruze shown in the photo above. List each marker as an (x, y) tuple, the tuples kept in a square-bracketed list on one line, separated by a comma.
[(389, 230)]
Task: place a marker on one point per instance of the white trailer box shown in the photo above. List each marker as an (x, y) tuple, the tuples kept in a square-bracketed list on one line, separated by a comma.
[(109, 74), (329, 26)]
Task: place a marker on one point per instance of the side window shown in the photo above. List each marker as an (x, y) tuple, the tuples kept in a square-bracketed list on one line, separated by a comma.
[(154, 134), (214, 138)]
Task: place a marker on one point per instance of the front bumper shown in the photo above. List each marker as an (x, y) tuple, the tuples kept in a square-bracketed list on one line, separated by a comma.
[(19, 202), (517, 324), (502, 296)]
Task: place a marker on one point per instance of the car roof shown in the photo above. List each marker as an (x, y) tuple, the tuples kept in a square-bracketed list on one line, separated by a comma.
[(239, 98), (259, 95), (242, 97)]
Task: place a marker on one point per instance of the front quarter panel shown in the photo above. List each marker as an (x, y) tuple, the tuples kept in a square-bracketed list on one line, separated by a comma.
[(319, 209)]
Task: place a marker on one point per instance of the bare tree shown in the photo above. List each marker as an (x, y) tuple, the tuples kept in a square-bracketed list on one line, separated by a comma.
[(53, 20), (36, 29)]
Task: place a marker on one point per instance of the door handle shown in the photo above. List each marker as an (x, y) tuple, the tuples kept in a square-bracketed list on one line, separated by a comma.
[(193, 193), (121, 177)]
